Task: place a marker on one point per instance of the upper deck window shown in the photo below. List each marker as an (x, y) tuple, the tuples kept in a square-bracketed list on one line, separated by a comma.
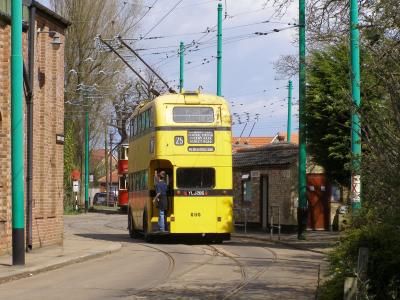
[(193, 114), (141, 122), (123, 152)]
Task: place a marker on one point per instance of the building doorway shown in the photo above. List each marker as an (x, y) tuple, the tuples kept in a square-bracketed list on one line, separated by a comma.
[(264, 201), (318, 193)]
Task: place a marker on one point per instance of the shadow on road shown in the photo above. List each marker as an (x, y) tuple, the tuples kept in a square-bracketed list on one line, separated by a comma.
[(162, 239)]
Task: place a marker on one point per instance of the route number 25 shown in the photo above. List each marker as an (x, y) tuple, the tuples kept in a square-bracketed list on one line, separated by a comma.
[(179, 140)]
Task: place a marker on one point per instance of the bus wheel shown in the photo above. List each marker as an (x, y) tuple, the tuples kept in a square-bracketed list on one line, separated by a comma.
[(146, 235), (218, 240), (131, 226)]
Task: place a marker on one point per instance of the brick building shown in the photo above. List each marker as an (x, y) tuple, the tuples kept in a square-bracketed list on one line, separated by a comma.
[(48, 120), (266, 177)]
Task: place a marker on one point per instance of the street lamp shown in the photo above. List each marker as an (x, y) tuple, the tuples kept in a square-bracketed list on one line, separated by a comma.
[(56, 36)]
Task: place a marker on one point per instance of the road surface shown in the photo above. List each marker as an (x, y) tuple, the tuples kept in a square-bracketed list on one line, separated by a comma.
[(237, 269)]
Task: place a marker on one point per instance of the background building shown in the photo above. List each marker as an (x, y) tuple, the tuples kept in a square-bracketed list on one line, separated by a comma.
[(265, 181), (265, 178)]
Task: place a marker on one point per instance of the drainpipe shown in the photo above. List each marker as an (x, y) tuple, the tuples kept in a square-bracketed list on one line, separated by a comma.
[(29, 102)]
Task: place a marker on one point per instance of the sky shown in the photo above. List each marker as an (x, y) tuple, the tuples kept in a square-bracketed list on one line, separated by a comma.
[(249, 82)]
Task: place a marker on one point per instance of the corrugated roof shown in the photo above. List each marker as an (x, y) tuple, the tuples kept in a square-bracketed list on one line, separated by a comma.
[(277, 154)]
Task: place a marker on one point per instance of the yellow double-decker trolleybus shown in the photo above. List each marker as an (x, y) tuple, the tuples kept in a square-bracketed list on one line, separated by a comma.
[(188, 136)]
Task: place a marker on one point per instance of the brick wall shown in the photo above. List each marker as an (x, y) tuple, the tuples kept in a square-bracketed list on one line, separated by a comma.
[(282, 192), (48, 121), (5, 142)]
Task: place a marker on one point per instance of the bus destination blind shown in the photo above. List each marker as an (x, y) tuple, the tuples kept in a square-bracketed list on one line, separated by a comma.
[(201, 137)]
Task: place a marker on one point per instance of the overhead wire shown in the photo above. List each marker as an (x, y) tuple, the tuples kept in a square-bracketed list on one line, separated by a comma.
[(210, 44), (163, 18), (145, 14)]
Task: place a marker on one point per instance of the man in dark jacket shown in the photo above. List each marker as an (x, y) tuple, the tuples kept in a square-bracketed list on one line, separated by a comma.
[(161, 200)]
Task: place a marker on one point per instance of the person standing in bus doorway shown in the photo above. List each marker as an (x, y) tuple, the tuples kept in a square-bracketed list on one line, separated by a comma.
[(161, 198)]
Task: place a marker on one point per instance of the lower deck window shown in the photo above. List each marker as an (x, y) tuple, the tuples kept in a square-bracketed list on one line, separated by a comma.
[(195, 178)]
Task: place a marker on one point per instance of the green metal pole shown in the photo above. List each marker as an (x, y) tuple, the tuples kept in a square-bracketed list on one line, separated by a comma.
[(182, 64), (17, 135), (355, 118), (289, 120), (86, 161), (219, 50), (302, 206)]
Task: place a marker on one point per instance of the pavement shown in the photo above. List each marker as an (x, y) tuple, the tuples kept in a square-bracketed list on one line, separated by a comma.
[(316, 241), (76, 249)]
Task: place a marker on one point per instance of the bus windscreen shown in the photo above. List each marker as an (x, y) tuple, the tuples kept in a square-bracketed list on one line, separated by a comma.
[(195, 178)]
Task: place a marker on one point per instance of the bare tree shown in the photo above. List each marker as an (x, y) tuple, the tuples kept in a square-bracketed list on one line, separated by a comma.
[(92, 76), (125, 102)]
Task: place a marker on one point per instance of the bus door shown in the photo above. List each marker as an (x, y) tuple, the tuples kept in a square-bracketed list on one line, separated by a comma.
[(156, 167)]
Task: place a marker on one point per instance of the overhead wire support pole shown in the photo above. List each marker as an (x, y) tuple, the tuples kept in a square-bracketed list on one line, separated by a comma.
[(289, 120), (129, 66), (181, 65), (355, 117), (144, 62), (86, 159), (219, 51), (17, 137), (302, 182)]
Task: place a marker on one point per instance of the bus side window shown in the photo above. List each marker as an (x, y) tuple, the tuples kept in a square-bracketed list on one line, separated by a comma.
[(148, 118), (136, 181), (139, 123), (145, 120), (135, 126), (151, 112)]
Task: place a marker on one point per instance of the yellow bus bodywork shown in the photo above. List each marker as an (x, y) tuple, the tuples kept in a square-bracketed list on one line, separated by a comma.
[(155, 148)]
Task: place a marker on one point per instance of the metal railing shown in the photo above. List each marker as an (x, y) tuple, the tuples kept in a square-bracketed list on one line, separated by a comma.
[(243, 214), (272, 226)]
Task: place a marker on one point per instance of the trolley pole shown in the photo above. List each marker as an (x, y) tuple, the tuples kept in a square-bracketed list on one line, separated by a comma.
[(355, 117), (17, 137), (86, 160), (181, 65), (302, 206), (289, 120), (219, 50)]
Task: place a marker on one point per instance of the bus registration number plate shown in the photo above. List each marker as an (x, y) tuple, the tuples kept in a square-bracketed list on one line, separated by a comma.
[(196, 193), (201, 137)]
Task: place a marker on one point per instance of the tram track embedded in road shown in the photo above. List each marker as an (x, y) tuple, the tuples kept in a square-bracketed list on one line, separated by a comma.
[(171, 260), (245, 279)]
